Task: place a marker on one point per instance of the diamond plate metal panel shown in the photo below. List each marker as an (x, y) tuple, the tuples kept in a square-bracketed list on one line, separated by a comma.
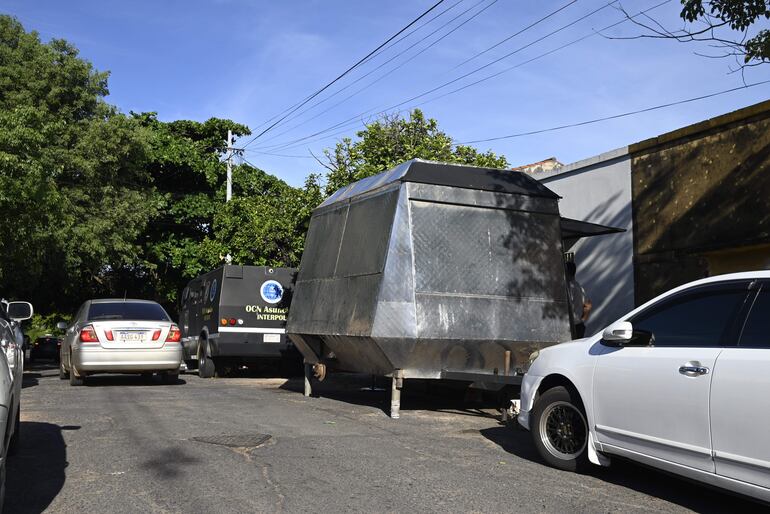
[(366, 235), (323, 238), (507, 319), (476, 251), (396, 315)]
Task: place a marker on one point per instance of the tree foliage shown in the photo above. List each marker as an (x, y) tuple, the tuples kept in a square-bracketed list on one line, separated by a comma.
[(184, 161), (73, 186), (732, 28), (98, 203), (392, 140)]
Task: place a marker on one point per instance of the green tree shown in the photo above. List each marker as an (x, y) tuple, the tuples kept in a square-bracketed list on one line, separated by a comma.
[(188, 175), (73, 187), (193, 228), (97, 203), (392, 140), (266, 222)]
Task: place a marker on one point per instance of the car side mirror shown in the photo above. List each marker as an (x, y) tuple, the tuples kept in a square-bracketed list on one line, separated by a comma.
[(20, 311), (618, 333), (61, 325)]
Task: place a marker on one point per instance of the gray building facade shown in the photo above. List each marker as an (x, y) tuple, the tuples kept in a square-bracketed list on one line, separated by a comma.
[(694, 203), (598, 190)]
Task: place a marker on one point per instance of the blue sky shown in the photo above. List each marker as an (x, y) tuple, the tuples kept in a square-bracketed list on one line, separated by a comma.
[(248, 60)]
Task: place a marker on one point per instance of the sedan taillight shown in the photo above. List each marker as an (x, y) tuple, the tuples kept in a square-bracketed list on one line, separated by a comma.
[(174, 335), (88, 335)]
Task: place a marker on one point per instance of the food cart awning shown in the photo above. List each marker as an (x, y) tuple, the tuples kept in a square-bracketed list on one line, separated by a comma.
[(572, 230)]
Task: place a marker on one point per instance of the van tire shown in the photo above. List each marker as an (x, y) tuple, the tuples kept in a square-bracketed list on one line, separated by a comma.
[(206, 368)]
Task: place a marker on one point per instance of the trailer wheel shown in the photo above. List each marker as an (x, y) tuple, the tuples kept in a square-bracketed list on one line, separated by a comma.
[(560, 430), (206, 367)]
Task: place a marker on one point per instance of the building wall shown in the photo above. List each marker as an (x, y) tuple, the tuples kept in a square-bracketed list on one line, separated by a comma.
[(598, 190), (701, 201)]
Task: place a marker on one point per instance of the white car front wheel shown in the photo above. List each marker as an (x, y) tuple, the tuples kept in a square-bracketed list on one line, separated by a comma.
[(560, 430)]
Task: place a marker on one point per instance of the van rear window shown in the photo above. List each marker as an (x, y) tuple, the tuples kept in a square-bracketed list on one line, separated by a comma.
[(127, 310)]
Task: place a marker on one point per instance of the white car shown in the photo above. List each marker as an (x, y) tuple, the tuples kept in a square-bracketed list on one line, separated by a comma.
[(11, 369), (120, 336), (682, 384)]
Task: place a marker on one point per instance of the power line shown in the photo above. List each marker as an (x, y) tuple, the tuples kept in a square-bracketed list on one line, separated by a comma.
[(457, 79), (280, 155), (275, 136), (616, 116), (514, 35), (324, 88), (417, 29), (402, 38), (545, 54)]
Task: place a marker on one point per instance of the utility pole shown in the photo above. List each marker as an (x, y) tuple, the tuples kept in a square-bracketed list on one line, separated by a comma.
[(229, 161), (229, 195)]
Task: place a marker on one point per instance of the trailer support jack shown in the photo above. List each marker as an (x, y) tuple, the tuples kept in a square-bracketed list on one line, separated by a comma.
[(397, 383), (308, 377)]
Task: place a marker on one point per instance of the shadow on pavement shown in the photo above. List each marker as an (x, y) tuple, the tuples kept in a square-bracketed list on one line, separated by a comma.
[(35, 475), (34, 371), (128, 380), (169, 463), (427, 395), (670, 488), (30, 379)]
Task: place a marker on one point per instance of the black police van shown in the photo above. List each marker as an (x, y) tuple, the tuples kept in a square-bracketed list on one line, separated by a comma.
[(235, 316)]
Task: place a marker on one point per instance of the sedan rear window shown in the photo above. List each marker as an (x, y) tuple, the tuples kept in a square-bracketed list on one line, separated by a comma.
[(127, 310)]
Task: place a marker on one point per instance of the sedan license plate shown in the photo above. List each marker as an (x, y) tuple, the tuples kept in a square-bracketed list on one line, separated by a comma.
[(272, 338), (131, 337)]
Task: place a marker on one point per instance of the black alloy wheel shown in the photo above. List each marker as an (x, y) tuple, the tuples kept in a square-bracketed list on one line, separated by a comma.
[(560, 429)]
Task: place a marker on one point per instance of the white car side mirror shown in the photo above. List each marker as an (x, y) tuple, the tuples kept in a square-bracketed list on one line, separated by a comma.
[(620, 332), (61, 325), (20, 311)]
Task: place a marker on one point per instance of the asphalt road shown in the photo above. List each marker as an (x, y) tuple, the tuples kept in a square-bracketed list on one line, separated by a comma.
[(121, 444)]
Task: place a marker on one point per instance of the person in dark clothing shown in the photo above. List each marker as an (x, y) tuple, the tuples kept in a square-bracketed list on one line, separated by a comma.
[(579, 301)]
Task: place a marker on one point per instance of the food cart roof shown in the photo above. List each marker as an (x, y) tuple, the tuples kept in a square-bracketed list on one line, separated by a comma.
[(445, 174)]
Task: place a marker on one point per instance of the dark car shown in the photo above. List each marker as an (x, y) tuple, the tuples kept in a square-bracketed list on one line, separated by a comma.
[(46, 347)]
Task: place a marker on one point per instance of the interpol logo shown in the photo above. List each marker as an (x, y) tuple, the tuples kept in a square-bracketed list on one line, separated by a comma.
[(271, 291), (213, 290)]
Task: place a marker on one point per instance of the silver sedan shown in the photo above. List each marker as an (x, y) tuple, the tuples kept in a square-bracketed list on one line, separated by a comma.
[(120, 336)]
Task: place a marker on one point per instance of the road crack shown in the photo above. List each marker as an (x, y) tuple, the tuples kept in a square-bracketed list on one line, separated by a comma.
[(281, 499)]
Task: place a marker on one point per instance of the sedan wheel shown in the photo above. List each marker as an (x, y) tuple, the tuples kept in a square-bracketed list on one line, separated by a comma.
[(560, 430), (75, 379), (63, 375)]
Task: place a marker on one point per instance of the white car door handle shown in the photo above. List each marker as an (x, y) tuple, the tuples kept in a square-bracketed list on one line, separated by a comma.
[(691, 371)]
